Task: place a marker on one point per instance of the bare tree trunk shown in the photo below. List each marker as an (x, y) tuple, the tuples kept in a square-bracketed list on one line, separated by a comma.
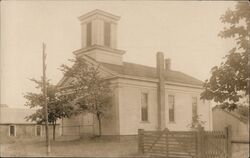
[(54, 130), (100, 124)]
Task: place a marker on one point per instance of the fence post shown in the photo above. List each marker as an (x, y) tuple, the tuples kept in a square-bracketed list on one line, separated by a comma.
[(228, 131), (140, 141), (166, 133), (200, 143)]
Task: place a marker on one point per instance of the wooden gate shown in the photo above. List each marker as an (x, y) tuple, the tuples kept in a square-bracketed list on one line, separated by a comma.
[(216, 144), (188, 144)]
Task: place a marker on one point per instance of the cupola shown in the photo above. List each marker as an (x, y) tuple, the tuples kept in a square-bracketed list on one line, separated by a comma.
[(99, 37)]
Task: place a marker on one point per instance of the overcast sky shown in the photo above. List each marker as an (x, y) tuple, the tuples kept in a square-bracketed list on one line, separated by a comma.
[(187, 32)]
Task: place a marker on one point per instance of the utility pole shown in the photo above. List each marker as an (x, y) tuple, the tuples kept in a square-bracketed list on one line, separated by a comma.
[(45, 101)]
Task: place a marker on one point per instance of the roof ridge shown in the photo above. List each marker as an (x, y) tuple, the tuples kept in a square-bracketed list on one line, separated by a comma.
[(19, 108), (149, 66), (166, 70), (189, 76), (139, 64), (150, 71), (237, 114)]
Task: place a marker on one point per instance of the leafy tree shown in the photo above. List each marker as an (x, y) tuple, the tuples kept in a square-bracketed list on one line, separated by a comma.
[(231, 78), (58, 107), (243, 111), (91, 92)]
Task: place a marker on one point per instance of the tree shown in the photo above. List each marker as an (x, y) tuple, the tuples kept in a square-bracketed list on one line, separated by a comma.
[(91, 92), (229, 82), (58, 106), (243, 111)]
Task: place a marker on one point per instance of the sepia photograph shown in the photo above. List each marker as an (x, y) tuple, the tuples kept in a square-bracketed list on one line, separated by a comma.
[(124, 78)]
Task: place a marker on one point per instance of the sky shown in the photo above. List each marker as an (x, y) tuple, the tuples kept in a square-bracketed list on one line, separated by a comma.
[(185, 31)]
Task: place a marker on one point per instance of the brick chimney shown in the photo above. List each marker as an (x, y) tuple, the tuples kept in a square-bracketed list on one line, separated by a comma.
[(167, 64), (161, 91)]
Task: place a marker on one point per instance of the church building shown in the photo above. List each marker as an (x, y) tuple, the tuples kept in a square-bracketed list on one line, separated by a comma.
[(144, 97)]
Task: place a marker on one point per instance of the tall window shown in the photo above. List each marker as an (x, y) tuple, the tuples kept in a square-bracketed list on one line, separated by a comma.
[(171, 108), (194, 107), (144, 107), (107, 34), (38, 130), (89, 33), (12, 130)]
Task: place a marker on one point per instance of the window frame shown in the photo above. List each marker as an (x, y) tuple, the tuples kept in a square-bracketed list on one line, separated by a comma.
[(196, 110), (171, 121), (14, 131), (147, 107)]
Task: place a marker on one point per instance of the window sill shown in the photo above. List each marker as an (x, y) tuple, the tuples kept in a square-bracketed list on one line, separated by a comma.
[(172, 122), (144, 122)]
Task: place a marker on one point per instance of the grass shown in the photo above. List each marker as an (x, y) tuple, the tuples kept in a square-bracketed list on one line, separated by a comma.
[(240, 150), (95, 147)]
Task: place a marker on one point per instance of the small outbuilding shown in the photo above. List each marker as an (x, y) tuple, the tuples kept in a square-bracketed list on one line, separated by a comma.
[(14, 125), (223, 118)]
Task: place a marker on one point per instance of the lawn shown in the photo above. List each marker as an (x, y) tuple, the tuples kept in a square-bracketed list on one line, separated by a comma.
[(94, 147), (240, 150)]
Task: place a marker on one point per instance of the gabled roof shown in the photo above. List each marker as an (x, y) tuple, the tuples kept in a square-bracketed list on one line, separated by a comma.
[(99, 12), (232, 113), (137, 70), (15, 115)]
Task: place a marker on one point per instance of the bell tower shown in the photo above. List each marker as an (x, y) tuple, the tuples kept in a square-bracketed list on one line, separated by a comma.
[(99, 37)]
